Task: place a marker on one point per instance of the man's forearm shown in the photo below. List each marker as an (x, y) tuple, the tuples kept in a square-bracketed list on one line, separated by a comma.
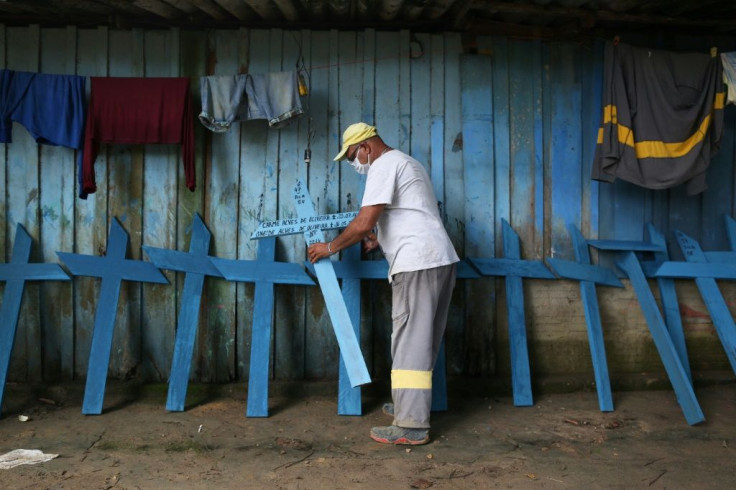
[(359, 228)]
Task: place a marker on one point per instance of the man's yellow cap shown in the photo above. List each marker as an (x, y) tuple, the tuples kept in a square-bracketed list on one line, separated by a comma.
[(354, 134)]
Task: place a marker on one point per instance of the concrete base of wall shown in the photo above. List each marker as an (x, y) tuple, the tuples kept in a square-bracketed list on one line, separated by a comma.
[(558, 337)]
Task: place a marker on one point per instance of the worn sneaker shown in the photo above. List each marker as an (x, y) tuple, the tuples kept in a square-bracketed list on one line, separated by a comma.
[(393, 434), (388, 409)]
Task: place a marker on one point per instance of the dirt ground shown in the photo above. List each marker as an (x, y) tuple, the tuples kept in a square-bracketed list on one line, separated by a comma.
[(563, 441)]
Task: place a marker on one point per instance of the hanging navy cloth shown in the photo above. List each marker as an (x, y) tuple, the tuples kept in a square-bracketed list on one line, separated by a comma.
[(51, 107)]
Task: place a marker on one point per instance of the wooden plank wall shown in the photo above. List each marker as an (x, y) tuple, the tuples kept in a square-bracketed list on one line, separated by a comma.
[(505, 127)]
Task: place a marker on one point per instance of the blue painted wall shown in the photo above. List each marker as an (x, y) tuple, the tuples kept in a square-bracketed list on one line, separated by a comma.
[(505, 127)]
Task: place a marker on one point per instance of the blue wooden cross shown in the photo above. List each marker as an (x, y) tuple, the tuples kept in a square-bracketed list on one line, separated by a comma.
[(342, 324), (113, 268), (514, 269), (15, 274), (727, 259), (351, 269), (295, 226), (705, 275), (265, 272), (668, 296), (590, 275), (667, 352), (657, 246), (662, 340), (439, 373), (196, 265), (730, 231)]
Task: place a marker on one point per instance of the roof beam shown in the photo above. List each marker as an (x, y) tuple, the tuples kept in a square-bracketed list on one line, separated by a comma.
[(182, 5), (237, 8), (211, 8), (158, 7), (591, 16), (288, 9), (265, 8)]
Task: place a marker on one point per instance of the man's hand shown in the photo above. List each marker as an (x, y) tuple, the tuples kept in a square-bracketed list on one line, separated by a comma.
[(317, 251), (370, 243)]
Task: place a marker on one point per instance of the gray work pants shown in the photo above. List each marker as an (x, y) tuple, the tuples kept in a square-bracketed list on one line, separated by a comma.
[(420, 303)]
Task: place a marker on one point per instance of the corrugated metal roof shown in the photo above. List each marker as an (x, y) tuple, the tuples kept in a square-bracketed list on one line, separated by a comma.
[(527, 18)]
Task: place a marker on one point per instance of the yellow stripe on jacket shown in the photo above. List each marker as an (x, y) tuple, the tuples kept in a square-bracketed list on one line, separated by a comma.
[(654, 148)]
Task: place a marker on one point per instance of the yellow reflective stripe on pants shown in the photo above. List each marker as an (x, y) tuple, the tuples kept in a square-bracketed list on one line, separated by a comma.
[(408, 379)]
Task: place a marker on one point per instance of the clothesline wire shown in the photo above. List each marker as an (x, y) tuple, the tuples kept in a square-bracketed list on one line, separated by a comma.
[(356, 62)]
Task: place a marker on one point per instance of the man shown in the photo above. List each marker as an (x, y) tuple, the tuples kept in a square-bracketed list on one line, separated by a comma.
[(399, 201)]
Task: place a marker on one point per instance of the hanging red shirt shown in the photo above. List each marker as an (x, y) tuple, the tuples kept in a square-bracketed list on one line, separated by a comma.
[(138, 111)]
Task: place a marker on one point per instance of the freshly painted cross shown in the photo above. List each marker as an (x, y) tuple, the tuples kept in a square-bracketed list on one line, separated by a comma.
[(590, 275), (351, 269), (514, 269), (15, 274), (705, 274), (196, 265), (295, 226), (265, 272), (113, 268), (341, 322), (668, 353)]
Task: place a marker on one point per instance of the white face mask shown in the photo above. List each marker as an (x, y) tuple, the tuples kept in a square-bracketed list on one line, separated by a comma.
[(361, 168)]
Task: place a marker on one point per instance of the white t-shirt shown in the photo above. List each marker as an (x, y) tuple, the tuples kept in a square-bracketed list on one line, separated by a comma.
[(410, 229)]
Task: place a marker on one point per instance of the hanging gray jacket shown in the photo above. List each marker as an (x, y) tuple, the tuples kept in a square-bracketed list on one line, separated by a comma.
[(662, 117)]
